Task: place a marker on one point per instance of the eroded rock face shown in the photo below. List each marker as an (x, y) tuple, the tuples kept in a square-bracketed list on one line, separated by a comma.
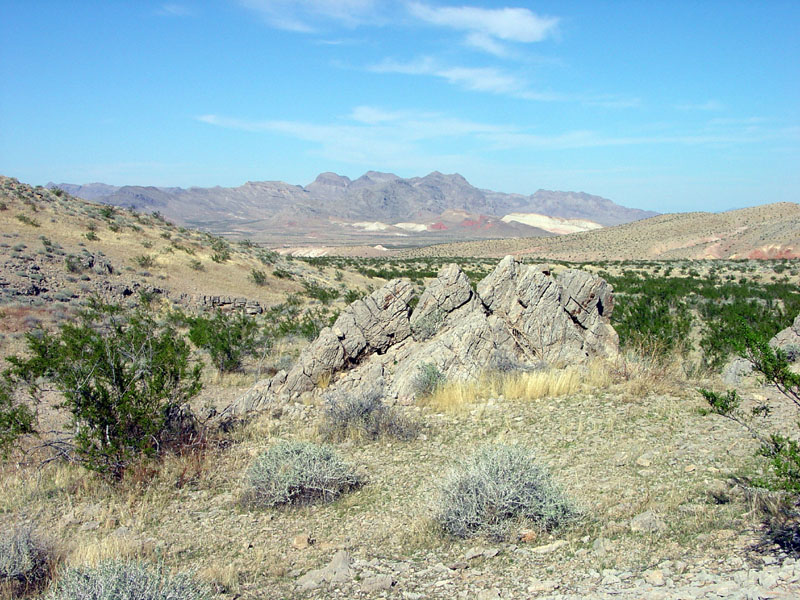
[(520, 315)]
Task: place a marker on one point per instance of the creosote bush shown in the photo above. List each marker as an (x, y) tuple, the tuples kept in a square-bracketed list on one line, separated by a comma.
[(229, 337), (498, 487), (116, 580), (24, 561), (364, 416), (122, 375), (296, 472)]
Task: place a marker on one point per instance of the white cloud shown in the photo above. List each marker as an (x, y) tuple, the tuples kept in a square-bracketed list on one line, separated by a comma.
[(485, 27), (709, 105), (174, 10), (481, 79), (303, 15)]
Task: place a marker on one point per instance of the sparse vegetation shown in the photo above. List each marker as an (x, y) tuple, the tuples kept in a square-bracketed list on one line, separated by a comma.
[(500, 488), (364, 417), (228, 337), (258, 277), (295, 472), (145, 261), (25, 561), (120, 580), (22, 218), (428, 379)]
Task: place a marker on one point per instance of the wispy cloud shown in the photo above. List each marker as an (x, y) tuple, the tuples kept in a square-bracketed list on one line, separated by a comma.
[(305, 16), (377, 136), (486, 27), (708, 105), (174, 10)]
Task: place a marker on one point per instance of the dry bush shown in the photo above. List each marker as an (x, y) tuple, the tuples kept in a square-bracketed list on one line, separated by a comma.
[(498, 487), (25, 561), (116, 580), (296, 472), (364, 416)]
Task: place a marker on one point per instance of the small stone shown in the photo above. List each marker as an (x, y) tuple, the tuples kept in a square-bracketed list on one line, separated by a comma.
[(548, 548), (378, 583), (601, 546), (647, 522), (458, 565), (654, 577), (473, 553), (490, 594), (767, 580), (491, 552), (690, 469), (527, 536), (541, 587), (301, 542), (90, 526), (644, 461)]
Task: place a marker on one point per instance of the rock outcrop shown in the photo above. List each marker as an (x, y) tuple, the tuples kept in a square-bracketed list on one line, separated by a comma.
[(520, 316)]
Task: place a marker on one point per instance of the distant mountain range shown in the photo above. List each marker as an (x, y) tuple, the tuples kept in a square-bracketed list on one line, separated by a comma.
[(375, 208)]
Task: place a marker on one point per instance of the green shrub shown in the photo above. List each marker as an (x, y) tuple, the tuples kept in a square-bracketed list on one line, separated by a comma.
[(117, 580), (121, 375), (654, 323), (267, 257), (318, 292), (196, 265), (22, 218), (293, 472), (15, 419), (774, 366), (24, 561), (222, 251), (364, 416), (91, 236), (228, 337), (144, 261), (496, 488), (258, 277), (428, 379), (282, 273)]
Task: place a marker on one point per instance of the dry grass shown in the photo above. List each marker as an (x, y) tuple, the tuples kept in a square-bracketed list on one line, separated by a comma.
[(455, 396)]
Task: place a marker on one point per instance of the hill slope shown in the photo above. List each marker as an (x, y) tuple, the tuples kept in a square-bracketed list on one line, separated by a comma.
[(768, 231)]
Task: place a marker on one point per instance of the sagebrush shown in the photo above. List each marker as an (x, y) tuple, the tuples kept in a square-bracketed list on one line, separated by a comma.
[(498, 487), (364, 416), (296, 472), (117, 580)]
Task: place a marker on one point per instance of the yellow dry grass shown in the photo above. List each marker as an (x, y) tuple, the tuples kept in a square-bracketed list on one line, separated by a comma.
[(533, 385)]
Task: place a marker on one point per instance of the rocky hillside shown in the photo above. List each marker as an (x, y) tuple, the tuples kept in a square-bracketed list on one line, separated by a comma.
[(57, 250), (331, 208), (768, 231)]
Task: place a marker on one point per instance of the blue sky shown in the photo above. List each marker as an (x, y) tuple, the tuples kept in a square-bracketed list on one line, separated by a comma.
[(670, 106)]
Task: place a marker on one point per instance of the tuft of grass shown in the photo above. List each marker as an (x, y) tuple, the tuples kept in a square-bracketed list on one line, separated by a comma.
[(497, 488), (364, 417), (296, 472), (117, 580), (22, 218)]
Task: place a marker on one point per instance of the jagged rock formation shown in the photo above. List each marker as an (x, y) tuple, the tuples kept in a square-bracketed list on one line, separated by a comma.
[(520, 316)]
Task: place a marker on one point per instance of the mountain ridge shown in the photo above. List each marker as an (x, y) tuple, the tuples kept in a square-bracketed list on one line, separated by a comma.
[(267, 207)]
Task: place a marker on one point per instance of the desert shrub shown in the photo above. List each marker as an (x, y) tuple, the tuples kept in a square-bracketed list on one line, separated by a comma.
[(258, 277), (24, 561), (321, 293), (3, 206), (496, 488), (294, 472), (121, 375), (22, 218), (654, 322), (15, 419), (144, 261), (282, 273), (267, 257), (774, 366), (91, 236), (428, 379), (228, 337), (117, 580), (351, 296), (364, 416), (222, 251), (196, 265)]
